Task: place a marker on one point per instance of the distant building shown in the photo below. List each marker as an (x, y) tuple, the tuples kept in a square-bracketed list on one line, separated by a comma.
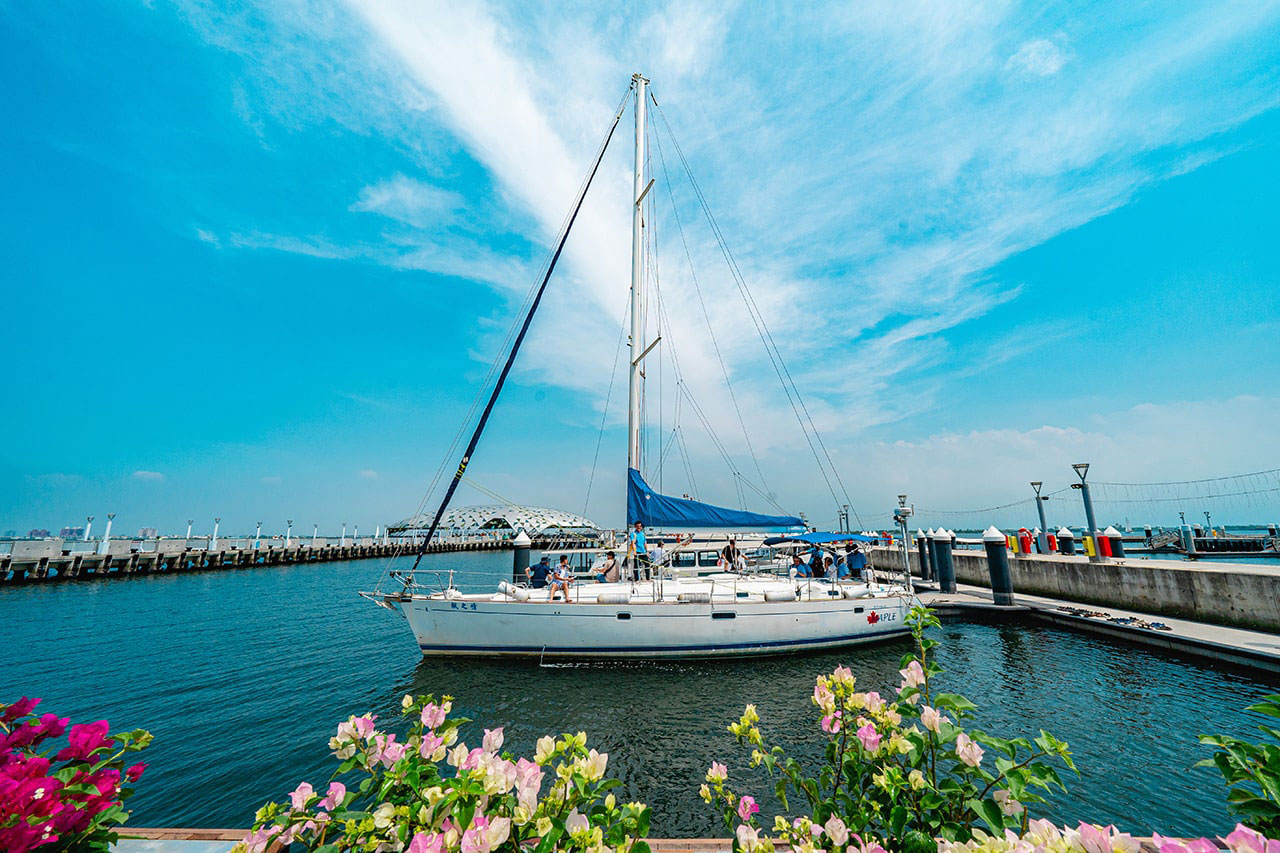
[(37, 534), (146, 533), (71, 533), (503, 520)]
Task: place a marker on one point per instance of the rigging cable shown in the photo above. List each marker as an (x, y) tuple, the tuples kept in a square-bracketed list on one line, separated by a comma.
[(524, 328), (706, 315), (762, 330)]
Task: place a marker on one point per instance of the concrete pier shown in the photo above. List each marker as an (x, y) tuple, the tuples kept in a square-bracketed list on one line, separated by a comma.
[(1236, 594), (35, 560)]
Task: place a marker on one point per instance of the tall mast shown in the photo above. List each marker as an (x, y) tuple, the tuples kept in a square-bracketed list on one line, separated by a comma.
[(634, 391)]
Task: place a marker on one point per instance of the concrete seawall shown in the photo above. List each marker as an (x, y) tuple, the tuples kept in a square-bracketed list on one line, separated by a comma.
[(1217, 593)]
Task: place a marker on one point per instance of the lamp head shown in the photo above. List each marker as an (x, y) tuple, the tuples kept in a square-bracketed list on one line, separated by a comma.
[(1081, 469), (902, 500), (1036, 484)]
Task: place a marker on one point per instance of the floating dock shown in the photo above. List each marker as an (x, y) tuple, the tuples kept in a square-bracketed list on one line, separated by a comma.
[(38, 560)]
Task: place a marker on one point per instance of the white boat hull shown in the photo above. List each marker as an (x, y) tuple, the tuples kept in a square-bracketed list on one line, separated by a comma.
[(491, 626)]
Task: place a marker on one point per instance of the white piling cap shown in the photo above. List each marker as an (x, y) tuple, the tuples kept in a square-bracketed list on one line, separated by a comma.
[(1035, 531), (931, 534), (992, 535), (522, 540), (1062, 531), (919, 533), (1110, 531), (947, 534)]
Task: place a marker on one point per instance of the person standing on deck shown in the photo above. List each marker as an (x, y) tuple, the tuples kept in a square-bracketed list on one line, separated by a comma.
[(730, 554), (638, 548), (857, 562)]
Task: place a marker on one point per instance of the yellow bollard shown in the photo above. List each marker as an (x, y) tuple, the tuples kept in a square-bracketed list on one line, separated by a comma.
[(1090, 547)]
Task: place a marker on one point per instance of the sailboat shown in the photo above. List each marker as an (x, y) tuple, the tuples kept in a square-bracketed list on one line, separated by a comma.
[(662, 615)]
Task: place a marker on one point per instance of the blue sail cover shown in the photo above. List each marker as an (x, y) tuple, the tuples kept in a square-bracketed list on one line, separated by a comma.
[(650, 508)]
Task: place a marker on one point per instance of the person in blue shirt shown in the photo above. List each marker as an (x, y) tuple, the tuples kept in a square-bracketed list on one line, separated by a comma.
[(538, 574), (857, 561), (815, 563), (639, 547), (842, 566), (800, 566)]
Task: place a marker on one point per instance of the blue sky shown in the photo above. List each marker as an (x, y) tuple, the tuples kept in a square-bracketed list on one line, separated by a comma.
[(258, 257)]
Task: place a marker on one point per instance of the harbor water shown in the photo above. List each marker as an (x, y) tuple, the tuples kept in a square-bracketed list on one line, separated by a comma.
[(242, 676)]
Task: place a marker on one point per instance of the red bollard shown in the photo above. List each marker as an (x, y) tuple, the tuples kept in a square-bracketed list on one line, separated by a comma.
[(1104, 545), (1024, 541), (1053, 543)]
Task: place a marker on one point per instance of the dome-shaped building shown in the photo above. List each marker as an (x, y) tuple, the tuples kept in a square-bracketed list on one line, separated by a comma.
[(537, 521)]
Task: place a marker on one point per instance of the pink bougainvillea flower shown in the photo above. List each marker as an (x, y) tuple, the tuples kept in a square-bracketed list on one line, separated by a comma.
[(576, 822), (364, 726), (1008, 805), (427, 842), (18, 709), (492, 739), (134, 772), (843, 675), (836, 830), (931, 718), (912, 676), (718, 772), (831, 723), (746, 808), (748, 837), (1178, 845), (869, 737), (84, 739), (301, 795), (874, 702), (432, 715), (430, 743), (337, 793), (1245, 840), (968, 751)]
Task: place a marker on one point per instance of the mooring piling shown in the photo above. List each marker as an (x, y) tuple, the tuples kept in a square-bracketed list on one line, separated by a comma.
[(998, 566)]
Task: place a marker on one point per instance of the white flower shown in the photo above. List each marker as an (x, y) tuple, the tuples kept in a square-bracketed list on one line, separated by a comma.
[(383, 814)]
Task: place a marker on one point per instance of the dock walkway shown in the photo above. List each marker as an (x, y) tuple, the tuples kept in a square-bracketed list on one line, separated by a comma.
[(1255, 650)]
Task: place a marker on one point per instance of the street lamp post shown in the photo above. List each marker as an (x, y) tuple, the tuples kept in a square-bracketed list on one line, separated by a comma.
[(288, 532), (257, 537), (900, 515), (106, 536), (213, 540), (1042, 541), (342, 543), (1082, 471), (88, 526), (315, 534), (190, 521)]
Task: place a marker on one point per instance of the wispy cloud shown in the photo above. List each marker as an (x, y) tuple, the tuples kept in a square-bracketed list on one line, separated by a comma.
[(148, 476), (367, 474), (869, 181), (1040, 57)]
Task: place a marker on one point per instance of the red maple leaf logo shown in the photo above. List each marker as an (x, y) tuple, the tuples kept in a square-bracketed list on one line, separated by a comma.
[(873, 617)]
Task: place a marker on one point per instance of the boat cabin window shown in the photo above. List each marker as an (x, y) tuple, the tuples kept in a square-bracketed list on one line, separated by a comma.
[(683, 561), (708, 558)]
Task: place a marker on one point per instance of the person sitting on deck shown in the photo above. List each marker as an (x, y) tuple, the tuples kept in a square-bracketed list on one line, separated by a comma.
[(828, 567), (609, 572), (561, 579), (857, 562), (800, 567), (842, 566), (538, 574), (815, 563)]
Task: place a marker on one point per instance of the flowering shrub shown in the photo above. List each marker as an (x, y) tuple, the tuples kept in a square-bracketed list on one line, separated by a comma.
[(1252, 771), (1043, 837), (480, 800), (885, 779), (72, 798)]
